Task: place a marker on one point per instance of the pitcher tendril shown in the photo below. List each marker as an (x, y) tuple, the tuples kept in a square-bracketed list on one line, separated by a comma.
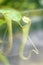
[(25, 35)]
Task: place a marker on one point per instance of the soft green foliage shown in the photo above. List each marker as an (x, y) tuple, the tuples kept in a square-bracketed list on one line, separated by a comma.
[(4, 60), (11, 14), (22, 4), (1, 22)]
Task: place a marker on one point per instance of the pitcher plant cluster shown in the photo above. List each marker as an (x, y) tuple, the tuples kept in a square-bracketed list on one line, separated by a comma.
[(9, 15)]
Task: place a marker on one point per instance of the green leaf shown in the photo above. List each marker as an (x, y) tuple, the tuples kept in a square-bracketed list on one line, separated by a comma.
[(11, 14), (14, 15), (1, 22)]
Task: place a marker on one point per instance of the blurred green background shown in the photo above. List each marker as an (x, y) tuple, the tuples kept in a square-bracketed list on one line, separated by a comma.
[(22, 4)]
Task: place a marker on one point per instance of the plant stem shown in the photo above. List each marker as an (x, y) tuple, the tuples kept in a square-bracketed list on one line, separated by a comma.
[(9, 25), (4, 59)]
